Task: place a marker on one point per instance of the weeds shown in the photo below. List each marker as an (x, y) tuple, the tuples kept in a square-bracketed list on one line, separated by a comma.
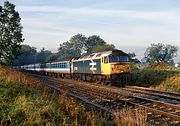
[(131, 117), (9, 75), (158, 76)]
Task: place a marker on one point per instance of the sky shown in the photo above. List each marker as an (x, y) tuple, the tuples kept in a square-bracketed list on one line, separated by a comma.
[(131, 25)]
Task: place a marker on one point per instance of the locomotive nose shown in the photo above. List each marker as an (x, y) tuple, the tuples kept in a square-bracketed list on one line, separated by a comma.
[(119, 68)]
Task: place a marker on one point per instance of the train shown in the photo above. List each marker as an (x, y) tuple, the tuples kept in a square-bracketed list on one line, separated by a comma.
[(108, 67)]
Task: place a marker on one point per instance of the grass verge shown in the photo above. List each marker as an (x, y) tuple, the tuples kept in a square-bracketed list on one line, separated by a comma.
[(158, 76)]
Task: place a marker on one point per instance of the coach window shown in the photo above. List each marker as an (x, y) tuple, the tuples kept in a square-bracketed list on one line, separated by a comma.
[(106, 59), (65, 65)]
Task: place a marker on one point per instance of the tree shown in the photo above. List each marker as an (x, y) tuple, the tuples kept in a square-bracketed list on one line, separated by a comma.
[(1, 19), (132, 58), (1, 32), (52, 57), (27, 55), (68, 50), (11, 36), (132, 55), (42, 55), (102, 48), (160, 53), (80, 45), (72, 48), (94, 41)]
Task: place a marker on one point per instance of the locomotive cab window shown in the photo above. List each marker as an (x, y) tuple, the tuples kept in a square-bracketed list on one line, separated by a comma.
[(118, 59), (106, 59)]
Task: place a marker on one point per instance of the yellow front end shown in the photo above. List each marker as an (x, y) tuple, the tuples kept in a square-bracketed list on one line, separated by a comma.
[(115, 68), (116, 72), (118, 68)]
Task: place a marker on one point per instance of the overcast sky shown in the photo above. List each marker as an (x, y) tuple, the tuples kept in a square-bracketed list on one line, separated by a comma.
[(131, 25)]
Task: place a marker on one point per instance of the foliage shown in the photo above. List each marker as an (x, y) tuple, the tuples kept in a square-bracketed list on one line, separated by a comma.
[(77, 45), (42, 55), (8, 75), (80, 44), (102, 48), (11, 36), (52, 57), (160, 53), (27, 55), (20, 105), (72, 48), (94, 41), (170, 84), (159, 76), (131, 55), (1, 19), (131, 117)]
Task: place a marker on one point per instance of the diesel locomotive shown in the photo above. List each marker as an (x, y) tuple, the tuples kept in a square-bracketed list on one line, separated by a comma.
[(108, 67)]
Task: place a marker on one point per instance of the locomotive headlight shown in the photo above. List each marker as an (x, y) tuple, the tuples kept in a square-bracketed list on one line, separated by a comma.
[(112, 67)]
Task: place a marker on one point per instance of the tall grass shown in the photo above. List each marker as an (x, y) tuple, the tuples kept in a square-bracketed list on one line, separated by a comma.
[(159, 76), (9, 75), (129, 117)]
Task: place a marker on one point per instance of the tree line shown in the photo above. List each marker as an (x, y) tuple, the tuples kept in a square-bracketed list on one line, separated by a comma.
[(155, 53), (76, 46), (13, 52)]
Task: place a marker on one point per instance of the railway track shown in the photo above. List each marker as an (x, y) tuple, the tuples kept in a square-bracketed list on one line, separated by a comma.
[(111, 99), (153, 92), (166, 109)]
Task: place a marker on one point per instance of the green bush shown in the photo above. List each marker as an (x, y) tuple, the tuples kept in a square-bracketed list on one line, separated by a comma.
[(156, 75)]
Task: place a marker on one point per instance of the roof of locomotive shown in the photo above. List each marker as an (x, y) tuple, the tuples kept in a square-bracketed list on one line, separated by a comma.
[(99, 54)]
